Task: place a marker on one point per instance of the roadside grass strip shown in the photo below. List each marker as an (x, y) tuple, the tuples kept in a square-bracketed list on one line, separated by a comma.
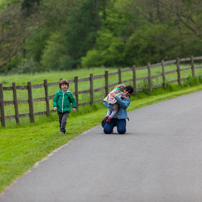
[(21, 147)]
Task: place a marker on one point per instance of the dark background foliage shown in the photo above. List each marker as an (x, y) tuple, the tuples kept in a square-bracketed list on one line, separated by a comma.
[(44, 35)]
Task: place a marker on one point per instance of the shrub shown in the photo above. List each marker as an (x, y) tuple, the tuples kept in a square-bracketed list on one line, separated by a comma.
[(109, 51), (26, 66), (53, 52), (192, 81)]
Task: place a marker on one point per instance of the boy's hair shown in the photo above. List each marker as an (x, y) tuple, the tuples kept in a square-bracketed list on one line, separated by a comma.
[(129, 88), (121, 86), (63, 81)]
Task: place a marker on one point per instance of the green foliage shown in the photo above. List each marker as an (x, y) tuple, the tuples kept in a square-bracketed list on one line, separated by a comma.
[(110, 43), (81, 31), (104, 33), (54, 51), (5, 3), (21, 150), (192, 81), (93, 59), (11, 65), (26, 66), (147, 36), (27, 6), (144, 46), (66, 63), (151, 44), (170, 87), (191, 47), (118, 19), (36, 44), (108, 52)]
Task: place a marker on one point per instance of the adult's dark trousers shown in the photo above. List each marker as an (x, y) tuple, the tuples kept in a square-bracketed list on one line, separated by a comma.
[(119, 123), (63, 121)]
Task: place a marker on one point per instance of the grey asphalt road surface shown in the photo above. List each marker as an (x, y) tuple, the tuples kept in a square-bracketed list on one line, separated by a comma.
[(159, 159)]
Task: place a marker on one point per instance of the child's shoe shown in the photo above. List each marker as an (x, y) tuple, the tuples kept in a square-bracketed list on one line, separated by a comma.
[(106, 117), (109, 119), (62, 133)]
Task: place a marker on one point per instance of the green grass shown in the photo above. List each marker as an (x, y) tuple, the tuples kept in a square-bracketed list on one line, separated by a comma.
[(22, 146), (51, 77), (69, 75)]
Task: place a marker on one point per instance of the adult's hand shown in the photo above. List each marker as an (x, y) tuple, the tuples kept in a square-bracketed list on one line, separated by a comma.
[(74, 109), (55, 109)]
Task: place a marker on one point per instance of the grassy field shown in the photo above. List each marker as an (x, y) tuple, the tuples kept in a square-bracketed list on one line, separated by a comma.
[(23, 146), (69, 75)]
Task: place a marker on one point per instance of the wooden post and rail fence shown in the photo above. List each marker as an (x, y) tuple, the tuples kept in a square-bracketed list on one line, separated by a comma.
[(133, 80)]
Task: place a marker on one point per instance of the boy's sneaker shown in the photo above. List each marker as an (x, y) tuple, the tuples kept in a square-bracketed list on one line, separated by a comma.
[(62, 133), (108, 120)]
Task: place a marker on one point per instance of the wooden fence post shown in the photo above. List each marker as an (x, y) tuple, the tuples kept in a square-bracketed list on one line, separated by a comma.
[(76, 92), (30, 101), (46, 97), (106, 83), (134, 80), (178, 71), (15, 103), (2, 106), (91, 89), (119, 73), (163, 74), (149, 78), (192, 66)]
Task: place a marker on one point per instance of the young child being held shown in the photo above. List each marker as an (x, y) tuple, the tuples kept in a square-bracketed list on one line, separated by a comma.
[(118, 90), (62, 104)]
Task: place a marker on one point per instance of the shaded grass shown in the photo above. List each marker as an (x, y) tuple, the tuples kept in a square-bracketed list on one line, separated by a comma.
[(22, 146)]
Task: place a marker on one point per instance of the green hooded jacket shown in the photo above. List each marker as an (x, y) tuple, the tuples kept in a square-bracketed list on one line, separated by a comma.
[(63, 101)]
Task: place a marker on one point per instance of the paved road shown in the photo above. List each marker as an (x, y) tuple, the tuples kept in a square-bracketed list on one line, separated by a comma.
[(159, 159)]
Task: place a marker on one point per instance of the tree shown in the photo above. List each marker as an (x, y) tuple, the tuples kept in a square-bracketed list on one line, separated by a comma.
[(81, 30), (149, 31), (108, 52), (53, 16), (185, 15), (28, 5), (14, 30), (54, 51)]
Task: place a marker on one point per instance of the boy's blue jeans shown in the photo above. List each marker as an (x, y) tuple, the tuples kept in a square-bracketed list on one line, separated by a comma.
[(119, 123), (63, 120)]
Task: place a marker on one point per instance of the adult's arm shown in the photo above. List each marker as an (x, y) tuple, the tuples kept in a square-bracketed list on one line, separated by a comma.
[(123, 103)]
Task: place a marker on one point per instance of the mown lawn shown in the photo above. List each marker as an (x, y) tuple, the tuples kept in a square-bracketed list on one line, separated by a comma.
[(22, 146), (69, 75)]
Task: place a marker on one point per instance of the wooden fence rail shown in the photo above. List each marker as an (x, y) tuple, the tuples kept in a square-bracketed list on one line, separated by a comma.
[(149, 78)]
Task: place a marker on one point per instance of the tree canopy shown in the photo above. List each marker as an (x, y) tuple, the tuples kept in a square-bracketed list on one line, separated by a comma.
[(67, 34)]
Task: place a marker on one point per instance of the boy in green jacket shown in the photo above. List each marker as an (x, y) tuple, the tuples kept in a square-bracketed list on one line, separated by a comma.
[(62, 104)]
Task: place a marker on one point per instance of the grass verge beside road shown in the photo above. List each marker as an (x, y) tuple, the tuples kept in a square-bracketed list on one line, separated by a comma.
[(23, 146)]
